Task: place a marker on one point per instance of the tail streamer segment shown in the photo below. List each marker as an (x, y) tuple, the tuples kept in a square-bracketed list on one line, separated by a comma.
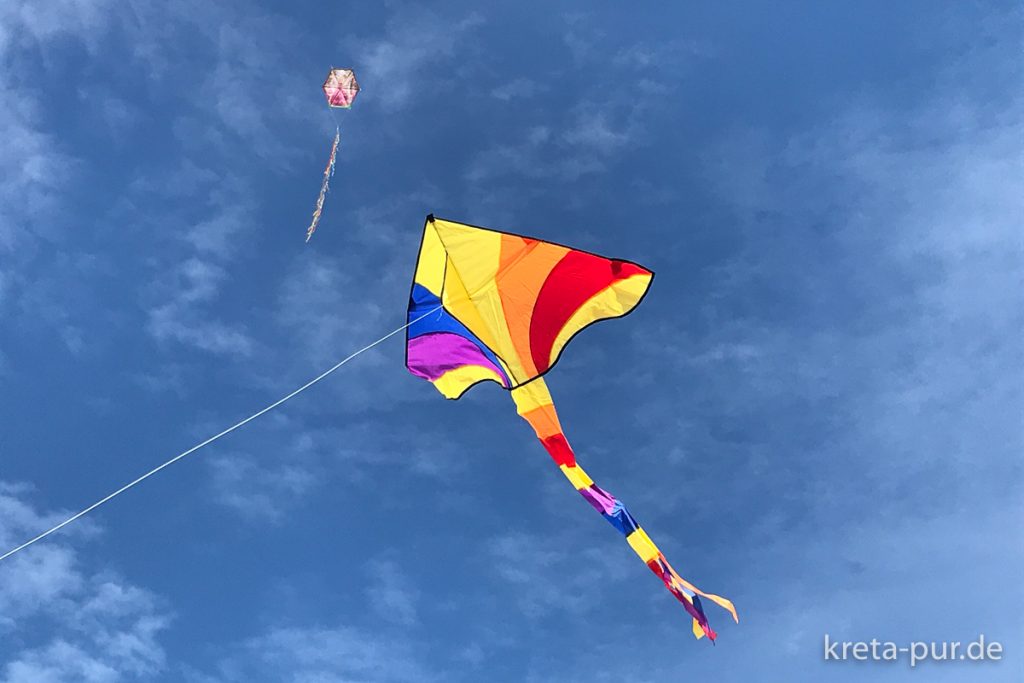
[(534, 404), (324, 186)]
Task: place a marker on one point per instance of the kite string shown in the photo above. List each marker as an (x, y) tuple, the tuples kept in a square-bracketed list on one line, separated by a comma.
[(227, 431)]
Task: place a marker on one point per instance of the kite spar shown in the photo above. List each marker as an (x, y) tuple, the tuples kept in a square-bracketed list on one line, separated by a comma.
[(508, 306)]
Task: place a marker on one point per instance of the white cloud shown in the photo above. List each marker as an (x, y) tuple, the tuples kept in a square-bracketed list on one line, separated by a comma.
[(205, 210), (859, 359), (391, 594), (589, 45), (43, 22), (172, 323), (586, 143), (61, 622), (216, 234), (253, 92), (32, 170), (320, 303), (264, 490), (547, 574), (593, 130), (339, 654), (33, 166), (410, 57), (672, 56), (583, 40), (182, 321), (864, 582), (183, 297), (518, 89), (585, 139)]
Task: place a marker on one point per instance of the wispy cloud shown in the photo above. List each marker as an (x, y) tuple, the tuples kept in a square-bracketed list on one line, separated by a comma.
[(606, 120), (391, 594), (593, 130), (858, 358), (203, 220), (181, 318), (322, 654), (28, 22), (674, 56), (518, 89), (264, 490), (549, 574), (252, 87), (589, 44), (582, 37), (584, 145), (409, 58), (61, 622), (32, 169), (118, 114), (37, 169), (317, 306), (878, 326), (34, 166)]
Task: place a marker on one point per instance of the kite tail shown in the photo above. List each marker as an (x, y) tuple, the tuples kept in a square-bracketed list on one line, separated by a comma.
[(328, 172), (534, 404)]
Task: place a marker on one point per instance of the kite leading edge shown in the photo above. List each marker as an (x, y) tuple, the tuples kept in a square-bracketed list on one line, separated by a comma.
[(508, 306), (340, 89)]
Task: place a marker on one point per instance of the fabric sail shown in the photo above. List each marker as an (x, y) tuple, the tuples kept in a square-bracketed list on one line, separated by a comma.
[(506, 306)]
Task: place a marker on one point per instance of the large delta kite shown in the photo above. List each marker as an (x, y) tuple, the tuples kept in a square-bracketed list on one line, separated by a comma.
[(493, 306)]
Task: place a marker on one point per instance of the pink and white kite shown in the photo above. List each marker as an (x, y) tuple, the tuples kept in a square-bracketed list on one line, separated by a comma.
[(341, 89)]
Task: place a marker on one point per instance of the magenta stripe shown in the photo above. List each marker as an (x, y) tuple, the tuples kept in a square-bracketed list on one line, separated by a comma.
[(432, 355), (602, 501)]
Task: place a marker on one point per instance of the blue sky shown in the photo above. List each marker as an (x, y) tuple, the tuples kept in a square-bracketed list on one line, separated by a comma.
[(816, 411)]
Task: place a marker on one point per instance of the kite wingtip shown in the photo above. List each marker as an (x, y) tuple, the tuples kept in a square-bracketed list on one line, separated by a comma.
[(430, 218)]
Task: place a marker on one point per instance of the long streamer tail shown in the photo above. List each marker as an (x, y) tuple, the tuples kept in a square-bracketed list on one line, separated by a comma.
[(328, 172), (534, 404)]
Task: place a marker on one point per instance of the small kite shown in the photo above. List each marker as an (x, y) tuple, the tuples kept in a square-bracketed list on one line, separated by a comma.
[(340, 89), (506, 306)]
